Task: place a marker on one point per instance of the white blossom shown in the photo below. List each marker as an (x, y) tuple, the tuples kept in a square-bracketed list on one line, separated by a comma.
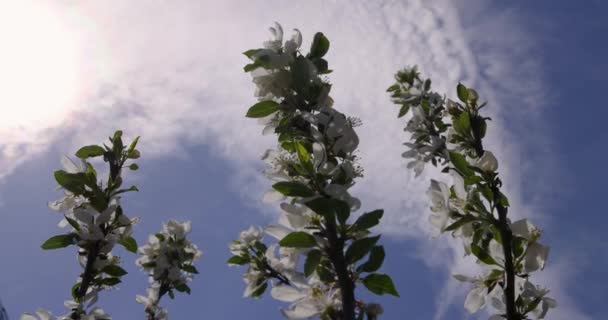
[(40, 314), (307, 300), (165, 253), (96, 314), (272, 80), (286, 263), (251, 235), (150, 302), (253, 279), (439, 194), (335, 127), (270, 84), (532, 292), (293, 218), (164, 258), (536, 253), (340, 192), (476, 298)]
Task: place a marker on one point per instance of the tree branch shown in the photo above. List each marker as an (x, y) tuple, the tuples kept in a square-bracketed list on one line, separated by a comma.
[(347, 287)]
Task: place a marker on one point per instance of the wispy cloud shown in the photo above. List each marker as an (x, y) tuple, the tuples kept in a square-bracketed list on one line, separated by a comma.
[(171, 72)]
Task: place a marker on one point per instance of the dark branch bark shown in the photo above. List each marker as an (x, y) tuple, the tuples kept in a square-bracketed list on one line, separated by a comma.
[(347, 287), (88, 272), (507, 241)]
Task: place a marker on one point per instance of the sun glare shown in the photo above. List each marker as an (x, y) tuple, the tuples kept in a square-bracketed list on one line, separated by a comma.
[(38, 67)]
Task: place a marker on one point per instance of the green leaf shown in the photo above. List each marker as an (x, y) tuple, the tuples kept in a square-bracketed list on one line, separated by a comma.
[(403, 111), (359, 248), (133, 166), (461, 164), (117, 134), (90, 152), (380, 284), (75, 290), (375, 260), (301, 76), (91, 172), (134, 154), (114, 270), (312, 261), (322, 66), (496, 233), (237, 260), (471, 180), (293, 189), (479, 126), (73, 182), (322, 206), (73, 223), (288, 146), (260, 291), (328, 208), (59, 241), (129, 243), (482, 254), (304, 157), (427, 85), (298, 239), (320, 46), (368, 220), (325, 273), (132, 188), (250, 53), (110, 281), (133, 145), (463, 93), (460, 222), (189, 268), (462, 125), (518, 246), (262, 109), (487, 193), (253, 66), (302, 152), (392, 88), (504, 201), (182, 287), (342, 210)]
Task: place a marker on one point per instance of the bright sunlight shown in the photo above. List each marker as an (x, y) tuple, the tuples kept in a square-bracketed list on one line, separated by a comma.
[(38, 67)]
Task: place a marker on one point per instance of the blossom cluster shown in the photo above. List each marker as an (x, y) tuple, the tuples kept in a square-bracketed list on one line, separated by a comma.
[(312, 169), (168, 258), (473, 208)]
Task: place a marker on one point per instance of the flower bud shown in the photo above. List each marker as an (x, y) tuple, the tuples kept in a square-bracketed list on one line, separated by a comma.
[(373, 310), (487, 162)]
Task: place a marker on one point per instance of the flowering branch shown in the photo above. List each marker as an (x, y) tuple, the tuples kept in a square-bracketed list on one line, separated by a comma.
[(97, 221), (168, 258), (510, 250), (313, 168)]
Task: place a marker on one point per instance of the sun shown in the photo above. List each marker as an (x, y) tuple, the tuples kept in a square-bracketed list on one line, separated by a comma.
[(38, 66)]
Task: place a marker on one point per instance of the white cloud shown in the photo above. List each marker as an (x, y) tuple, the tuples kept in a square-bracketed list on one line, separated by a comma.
[(172, 73)]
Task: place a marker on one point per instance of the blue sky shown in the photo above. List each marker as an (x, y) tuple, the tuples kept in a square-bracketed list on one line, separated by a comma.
[(172, 74)]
